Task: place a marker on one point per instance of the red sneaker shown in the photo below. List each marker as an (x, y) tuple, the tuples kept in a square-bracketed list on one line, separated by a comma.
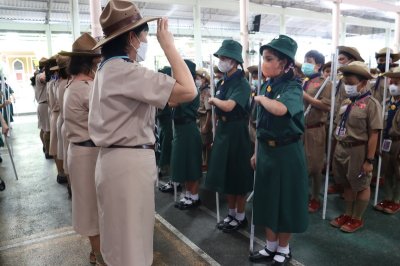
[(382, 205), (335, 189), (314, 205), (341, 220), (392, 208), (352, 225)]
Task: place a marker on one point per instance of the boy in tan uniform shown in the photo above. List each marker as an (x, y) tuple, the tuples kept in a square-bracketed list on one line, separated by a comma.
[(357, 128), (315, 133)]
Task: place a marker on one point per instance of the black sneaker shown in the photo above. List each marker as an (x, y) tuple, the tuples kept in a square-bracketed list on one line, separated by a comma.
[(62, 179), (1, 159), (224, 222), (48, 156), (263, 255), (235, 225), (287, 258), (189, 204), (2, 185)]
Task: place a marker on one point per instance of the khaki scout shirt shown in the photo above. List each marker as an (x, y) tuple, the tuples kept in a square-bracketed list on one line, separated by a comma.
[(122, 103), (316, 116), (57, 86), (365, 115), (40, 90), (395, 129), (76, 110), (378, 93), (60, 97), (49, 91), (204, 105)]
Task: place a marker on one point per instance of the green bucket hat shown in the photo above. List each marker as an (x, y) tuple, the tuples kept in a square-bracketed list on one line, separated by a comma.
[(283, 44), (231, 49), (165, 70), (192, 67)]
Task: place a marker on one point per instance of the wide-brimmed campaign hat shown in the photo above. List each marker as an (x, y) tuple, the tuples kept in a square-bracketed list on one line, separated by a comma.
[(231, 49), (352, 51), (357, 68), (42, 61), (283, 44), (393, 73), (203, 73), (62, 62), (252, 69), (119, 17), (83, 46), (382, 52)]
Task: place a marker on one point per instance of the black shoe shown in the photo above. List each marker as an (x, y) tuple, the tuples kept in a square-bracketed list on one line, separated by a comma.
[(169, 188), (224, 222), (2, 185), (189, 204), (1, 159), (234, 225), (258, 257), (287, 257), (44, 150), (69, 191), (48, 156), (61, 179)]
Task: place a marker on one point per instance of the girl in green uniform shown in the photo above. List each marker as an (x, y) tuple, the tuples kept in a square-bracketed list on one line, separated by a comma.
[(229, 170), (186, 157), (281, 186)]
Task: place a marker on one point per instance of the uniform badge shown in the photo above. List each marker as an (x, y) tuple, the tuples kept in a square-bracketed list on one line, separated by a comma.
[(269, 89), (279, 96), (393, 107), (361, 105)]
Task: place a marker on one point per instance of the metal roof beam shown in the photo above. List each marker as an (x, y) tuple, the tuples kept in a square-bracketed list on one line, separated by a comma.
[(47, 18), (379, 5)]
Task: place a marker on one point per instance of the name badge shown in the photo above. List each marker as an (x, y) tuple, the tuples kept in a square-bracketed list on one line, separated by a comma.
[(386, 145), (340, 132)]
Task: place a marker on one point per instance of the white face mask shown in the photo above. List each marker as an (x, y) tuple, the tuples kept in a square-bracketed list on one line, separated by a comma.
[(141, 51), (255, 83), (198, 83), (351, 90), (394, 90), (225, 66)]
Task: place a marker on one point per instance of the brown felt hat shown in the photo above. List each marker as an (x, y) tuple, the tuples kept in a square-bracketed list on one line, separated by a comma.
[(358, 68), (83, 46), (382, 52), (351, 51)]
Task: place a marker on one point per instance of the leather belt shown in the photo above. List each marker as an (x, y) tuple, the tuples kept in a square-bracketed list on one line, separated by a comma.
[(320, 124), (352, 144), (231, 118), (282, 142), (86, 143), (183, 121), (144, 146)]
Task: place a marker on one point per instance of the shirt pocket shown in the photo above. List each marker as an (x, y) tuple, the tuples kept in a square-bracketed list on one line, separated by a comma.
[(358, 119)]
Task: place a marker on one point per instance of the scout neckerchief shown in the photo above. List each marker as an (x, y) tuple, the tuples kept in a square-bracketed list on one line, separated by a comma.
[(308, 80), (346, 114), (378, 80), (124, 57), (393, 107), (265, 117)]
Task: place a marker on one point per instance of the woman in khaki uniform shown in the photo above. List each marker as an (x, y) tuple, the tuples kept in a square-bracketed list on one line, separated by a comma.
[(391, 148), (82, 153), (315, 130), (121, 121), (358, 123), (55, 114)]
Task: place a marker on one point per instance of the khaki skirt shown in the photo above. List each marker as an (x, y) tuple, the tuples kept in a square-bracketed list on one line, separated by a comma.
[(53, 133), (125, 180), (43, 117), (60, 139), (82, 163)]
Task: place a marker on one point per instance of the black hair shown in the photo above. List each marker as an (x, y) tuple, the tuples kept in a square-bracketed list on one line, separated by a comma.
[(62, 72), (47, 70), (317, 56), (349, 56), (281, 56), (80, 64), (118, 46)]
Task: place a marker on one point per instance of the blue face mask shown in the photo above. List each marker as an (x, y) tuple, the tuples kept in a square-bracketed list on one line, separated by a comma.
[(307, 69)]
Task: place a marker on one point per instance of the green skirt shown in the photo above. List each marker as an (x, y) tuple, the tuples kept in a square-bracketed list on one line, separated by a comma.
[(186, 158), (165, 143), (229, 169), (281, 189)]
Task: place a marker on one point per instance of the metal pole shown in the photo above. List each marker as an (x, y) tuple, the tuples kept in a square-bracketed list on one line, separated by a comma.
[(212, 92), (244, 30), (332, 114), (335, 24), (255, 155), (95, 11), (173, 134), (397, 32), (378, 176), (321, 89), (75, 19), (197, 32)]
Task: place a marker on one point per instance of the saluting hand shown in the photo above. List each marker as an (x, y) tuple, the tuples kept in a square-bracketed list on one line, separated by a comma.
[(164, 37)]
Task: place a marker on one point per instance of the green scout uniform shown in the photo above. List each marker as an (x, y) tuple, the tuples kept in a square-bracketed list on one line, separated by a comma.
[(186, 157), (229, 170), (164, 118), (281, 187), (355, 119), (315, 133), (391, 157)]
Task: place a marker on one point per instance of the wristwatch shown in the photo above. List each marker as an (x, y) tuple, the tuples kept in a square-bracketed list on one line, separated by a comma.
[(370, 160)]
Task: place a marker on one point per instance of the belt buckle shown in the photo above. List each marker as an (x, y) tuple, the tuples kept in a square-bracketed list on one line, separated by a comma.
[(271, 143), (223, 118)]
